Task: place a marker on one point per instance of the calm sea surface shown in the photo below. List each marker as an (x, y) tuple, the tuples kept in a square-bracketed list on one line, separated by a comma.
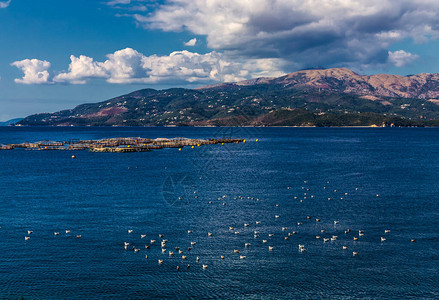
[(367, 179)]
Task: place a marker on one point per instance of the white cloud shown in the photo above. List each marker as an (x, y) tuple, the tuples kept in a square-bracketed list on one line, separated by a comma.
[(116, 2), (130, 66), (312, 32), (4, 4), (401, 58), (191, 42), (81, 69), (35, 71)]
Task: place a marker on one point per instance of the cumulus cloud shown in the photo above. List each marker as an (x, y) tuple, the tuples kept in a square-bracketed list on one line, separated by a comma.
[(80, 69), (4, 4), (191, 42), (35, 71), (308, 32), (130, 66), (401, 58)]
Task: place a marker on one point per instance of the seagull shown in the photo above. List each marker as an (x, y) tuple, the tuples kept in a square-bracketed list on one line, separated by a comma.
[(160, 261), (142, 236), (189, 231), (264, 241), (30, 232), (235, 251), (209, 234), (242, 257), (354, 253), (383, 239), (387, 231), (67, 231), (204, 267), (26, 238), (130, 231), (345, 247), (247, 244), (270, 248), (56, 233)]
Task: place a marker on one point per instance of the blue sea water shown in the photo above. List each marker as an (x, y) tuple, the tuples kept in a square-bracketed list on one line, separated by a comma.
[(375, 179)]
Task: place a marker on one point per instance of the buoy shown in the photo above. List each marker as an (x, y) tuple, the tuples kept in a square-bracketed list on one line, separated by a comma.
[(257, 140), (179, 149), (73, 156)]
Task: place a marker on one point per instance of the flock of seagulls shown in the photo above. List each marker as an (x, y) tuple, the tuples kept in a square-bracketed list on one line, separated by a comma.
[(261, 236), (261, 239)]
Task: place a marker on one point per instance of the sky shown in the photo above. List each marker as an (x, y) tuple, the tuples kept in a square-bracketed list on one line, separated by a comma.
[(56, 54)]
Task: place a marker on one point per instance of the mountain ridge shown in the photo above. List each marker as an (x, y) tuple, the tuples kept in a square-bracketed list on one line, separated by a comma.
[(334, 92)]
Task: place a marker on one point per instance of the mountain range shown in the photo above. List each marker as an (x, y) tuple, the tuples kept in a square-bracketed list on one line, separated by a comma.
[(317, 97)]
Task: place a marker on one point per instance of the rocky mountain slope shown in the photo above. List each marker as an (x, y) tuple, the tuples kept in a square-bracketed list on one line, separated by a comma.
[(334, 92)]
